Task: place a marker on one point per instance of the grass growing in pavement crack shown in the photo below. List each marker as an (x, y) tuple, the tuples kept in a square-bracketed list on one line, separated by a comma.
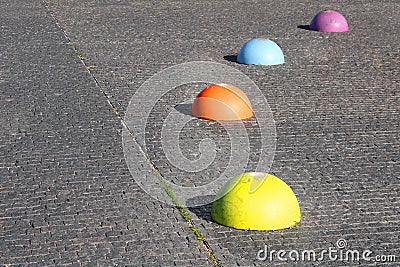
[(185, 214), (77, 52), (182, 209), (91, 67)]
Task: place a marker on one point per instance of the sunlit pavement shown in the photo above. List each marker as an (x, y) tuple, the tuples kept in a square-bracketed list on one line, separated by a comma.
[(67, 196)]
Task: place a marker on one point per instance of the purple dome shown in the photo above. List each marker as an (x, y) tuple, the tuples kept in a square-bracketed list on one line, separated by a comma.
[(329, 21)]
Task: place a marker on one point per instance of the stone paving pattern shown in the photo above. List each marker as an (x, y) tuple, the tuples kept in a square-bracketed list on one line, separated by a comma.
[(67, 196)]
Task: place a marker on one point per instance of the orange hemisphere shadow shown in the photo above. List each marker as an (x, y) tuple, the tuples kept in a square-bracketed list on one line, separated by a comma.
[(222, 102)]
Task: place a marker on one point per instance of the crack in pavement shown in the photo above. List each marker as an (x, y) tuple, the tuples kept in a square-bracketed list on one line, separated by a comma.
[(181, 208)]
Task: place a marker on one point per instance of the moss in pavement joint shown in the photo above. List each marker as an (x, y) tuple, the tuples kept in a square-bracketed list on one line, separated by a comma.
[(182, 209)]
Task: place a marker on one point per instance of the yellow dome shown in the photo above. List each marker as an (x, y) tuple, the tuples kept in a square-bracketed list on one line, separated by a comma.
[(256, 201)]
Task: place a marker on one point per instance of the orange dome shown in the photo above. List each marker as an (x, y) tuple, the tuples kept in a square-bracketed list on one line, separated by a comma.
[(222, 102)]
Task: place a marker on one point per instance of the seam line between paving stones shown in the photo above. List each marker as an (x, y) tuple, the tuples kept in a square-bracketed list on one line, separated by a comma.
[(181, 208)]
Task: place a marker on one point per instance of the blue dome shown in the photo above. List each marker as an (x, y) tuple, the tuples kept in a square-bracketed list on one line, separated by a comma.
[(261, 52)]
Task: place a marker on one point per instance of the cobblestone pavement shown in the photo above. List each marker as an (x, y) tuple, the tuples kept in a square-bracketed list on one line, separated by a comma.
[(67, 196)]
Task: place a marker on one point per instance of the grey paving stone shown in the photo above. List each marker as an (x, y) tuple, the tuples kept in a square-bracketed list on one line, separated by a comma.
[(66, 196), (334, 101)]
